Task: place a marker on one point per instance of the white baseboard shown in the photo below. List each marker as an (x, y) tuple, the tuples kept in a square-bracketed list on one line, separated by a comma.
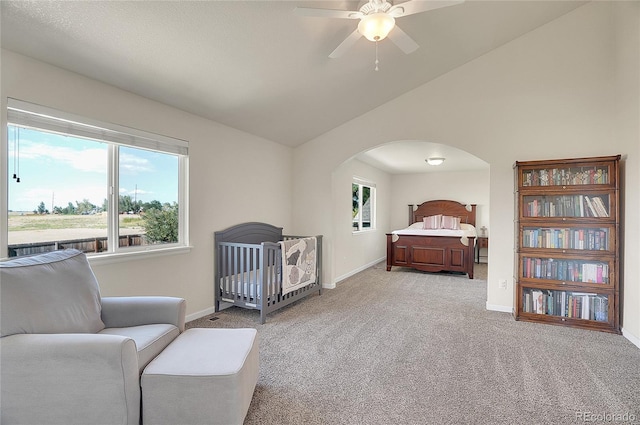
[(500, 308), (199, 314), (356, 271), (634, 339)]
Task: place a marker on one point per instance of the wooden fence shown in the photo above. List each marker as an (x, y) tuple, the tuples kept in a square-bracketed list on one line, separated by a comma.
[(84, 245)]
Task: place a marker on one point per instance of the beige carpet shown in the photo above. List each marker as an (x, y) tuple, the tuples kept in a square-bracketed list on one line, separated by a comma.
[(480, 271), (406, 347)]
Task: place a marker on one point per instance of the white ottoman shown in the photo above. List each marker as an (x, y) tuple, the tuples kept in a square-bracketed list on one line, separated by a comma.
[(205, 376)]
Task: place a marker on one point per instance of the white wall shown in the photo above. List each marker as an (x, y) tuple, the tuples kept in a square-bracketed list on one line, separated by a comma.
[(470, 187), (548, 94), (354, 252), (627, 27), (234, 177)]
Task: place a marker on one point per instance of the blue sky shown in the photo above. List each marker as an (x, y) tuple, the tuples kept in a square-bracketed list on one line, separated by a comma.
[(68, 169)]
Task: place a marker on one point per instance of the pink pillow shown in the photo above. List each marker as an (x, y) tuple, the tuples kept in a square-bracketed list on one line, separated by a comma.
[(452, 223), (433, 222)]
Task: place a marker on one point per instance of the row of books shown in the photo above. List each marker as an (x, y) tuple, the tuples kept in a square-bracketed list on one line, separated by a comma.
[(566, 304), (568, 238), (565, 206), (565, 270), (565, 176)]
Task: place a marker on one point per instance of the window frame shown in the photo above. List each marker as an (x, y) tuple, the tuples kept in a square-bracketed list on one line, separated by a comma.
[(38, 117), (372, 204)]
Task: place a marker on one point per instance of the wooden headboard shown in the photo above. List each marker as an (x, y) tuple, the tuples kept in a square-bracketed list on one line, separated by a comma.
[(452, 208)]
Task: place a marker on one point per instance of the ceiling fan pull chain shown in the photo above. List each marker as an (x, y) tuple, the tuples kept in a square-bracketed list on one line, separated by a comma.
[(377, 61)]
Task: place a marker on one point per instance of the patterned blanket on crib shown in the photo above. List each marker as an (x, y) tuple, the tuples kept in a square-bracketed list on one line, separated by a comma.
[(298, 263)]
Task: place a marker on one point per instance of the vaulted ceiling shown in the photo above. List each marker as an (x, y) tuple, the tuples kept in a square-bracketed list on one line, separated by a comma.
[(256, 65)]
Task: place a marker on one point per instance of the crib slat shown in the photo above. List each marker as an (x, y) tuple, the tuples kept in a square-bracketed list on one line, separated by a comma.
[(225, 269), (238, 273)]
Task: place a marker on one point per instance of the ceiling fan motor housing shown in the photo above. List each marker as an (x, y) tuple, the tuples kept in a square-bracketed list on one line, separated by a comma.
[(374, 6)]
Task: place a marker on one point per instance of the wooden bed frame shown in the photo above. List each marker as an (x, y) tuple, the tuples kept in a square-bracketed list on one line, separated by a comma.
[(434, 253)]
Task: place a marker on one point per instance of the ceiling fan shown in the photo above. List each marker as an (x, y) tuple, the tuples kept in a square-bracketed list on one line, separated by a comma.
[(377, 21)]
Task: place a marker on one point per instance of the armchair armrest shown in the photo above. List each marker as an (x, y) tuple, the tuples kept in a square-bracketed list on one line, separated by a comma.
[(121, 312), (69, 379)]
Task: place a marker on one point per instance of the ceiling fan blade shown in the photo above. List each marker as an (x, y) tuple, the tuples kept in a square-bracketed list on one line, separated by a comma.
[(328, 13), (346, 44), (417, 6), (402, 40)]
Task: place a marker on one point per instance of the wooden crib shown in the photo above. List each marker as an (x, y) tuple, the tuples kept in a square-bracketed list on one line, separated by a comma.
[(248, 268)]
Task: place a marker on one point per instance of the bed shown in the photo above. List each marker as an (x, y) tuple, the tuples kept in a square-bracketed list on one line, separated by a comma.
[(432, 250), (249, 267)]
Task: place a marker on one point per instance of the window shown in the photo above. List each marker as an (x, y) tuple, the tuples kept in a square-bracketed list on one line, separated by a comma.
[(364, 205), (96, 187)]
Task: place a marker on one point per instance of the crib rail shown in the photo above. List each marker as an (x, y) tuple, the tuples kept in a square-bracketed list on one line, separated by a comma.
[(246, 272)]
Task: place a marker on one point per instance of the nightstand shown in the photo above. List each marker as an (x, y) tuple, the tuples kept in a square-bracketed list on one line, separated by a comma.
[(481, 242)]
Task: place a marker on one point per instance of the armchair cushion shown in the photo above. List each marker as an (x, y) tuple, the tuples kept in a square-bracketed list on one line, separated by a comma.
[(51, 293), (150, 339)]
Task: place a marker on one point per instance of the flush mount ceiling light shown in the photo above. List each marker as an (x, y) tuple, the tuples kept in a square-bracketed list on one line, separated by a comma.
[(435, 160)]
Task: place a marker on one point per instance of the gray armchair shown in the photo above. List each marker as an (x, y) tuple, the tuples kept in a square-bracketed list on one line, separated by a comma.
[(68, 356)]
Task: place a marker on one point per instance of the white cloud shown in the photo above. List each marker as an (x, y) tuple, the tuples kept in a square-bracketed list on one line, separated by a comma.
[(132, 164), (86, 160)]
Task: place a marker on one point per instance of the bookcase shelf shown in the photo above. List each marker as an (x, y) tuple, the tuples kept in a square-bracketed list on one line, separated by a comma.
[(567, 230)]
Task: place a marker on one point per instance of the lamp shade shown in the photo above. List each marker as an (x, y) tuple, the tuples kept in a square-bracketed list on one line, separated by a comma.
[(376, 26)]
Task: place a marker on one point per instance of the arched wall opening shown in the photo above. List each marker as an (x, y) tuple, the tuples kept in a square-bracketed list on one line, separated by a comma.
[(401, 176)]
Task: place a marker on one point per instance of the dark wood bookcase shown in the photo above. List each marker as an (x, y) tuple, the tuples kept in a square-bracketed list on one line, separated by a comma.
[(568, 235)]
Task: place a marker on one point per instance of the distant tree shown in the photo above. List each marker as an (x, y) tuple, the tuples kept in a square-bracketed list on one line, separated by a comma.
[(126, 204), (146, 206), (105, 205), (69, 209), (42, 209), (84, 207), (161, 224), (355, 190)]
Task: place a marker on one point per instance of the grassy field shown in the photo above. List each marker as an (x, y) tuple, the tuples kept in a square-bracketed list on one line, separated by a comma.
[(33, 228), (29, 222)]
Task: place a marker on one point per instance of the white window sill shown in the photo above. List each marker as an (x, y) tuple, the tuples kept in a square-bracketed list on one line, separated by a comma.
[(362, 232), (120, 257)]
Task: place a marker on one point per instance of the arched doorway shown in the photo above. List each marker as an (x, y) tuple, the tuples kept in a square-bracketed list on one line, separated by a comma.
[(400, 175)]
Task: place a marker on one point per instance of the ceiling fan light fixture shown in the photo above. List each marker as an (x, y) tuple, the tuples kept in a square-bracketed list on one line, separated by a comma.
[(376, 26), (435, 160)]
